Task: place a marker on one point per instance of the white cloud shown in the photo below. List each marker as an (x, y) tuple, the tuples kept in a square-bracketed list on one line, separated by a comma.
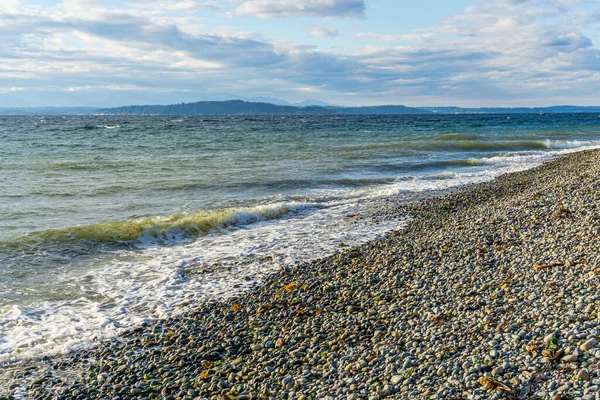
[(178, 5), (323, 31), (307, 89), (305, 8), (9, 5), (500, 50), (375, 37), (12, 89), (121, 88)]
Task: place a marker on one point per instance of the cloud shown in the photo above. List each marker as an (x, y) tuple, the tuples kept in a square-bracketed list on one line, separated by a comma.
[(119, 88), (301, 8), (11, 89), (178, 5), (375, 37), (9, 5), (323, 31), (499, 51)]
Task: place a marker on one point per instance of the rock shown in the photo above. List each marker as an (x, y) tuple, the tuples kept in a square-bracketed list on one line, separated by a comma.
[(563, 388), (169, 349), (386, 391), (549, 338), (237, 361), (570, 358), (396, 379), (588, 344), (583, 375)]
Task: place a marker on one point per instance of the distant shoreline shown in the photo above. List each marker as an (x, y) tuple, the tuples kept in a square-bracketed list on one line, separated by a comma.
[(239, 107)]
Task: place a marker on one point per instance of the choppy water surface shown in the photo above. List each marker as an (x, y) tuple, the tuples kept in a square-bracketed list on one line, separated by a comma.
[(108, 221)]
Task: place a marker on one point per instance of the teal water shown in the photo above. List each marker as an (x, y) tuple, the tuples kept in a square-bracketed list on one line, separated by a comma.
[(108, 221)]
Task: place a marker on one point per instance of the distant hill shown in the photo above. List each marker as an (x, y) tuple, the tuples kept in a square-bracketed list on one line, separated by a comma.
[(266, 107), (239, 107)]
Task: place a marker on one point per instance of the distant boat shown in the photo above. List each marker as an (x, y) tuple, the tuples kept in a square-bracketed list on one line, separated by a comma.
[(541, 113)]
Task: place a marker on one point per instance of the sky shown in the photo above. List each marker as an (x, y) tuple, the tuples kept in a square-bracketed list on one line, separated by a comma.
[(471, 53)]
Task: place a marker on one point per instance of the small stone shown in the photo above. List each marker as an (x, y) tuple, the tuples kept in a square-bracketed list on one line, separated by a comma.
[(237, 361), (549, 338), (570, 358), (386, 391), (563, 388), (169, 349), (583, 375), (396, 379), (588, 344)]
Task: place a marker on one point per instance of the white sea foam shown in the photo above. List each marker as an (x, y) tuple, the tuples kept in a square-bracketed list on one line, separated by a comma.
[(488, 169), (124, 289)]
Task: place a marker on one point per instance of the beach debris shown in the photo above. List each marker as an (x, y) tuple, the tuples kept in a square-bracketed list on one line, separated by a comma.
[(563, 212), (549, 265), (492, 384)]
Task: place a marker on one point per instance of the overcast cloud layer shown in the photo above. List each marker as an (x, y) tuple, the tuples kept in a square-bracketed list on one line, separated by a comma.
[(91, 52)]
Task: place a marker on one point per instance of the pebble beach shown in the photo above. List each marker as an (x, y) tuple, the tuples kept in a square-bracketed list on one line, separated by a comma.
[(490, 292)]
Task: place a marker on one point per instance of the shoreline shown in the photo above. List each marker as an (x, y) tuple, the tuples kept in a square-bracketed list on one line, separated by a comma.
[(447, 307)]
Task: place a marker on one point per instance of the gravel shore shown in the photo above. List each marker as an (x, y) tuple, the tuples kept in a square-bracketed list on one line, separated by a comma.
[(489, 292)]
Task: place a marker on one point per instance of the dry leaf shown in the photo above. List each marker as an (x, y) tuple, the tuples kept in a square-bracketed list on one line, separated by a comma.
[(492, 384), (291, 286), (550, 265)]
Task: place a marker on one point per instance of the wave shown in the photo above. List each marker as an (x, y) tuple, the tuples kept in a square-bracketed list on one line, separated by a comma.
[(458, 136), (164, 229), (572, 144), (463, 162), (268, 184), (88, 166), (491, 146)]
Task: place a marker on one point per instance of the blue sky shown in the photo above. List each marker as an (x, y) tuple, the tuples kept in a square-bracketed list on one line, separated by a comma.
[(348, 52)]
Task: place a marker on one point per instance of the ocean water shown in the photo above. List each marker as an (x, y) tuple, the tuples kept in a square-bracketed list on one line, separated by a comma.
[(110, 221)]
